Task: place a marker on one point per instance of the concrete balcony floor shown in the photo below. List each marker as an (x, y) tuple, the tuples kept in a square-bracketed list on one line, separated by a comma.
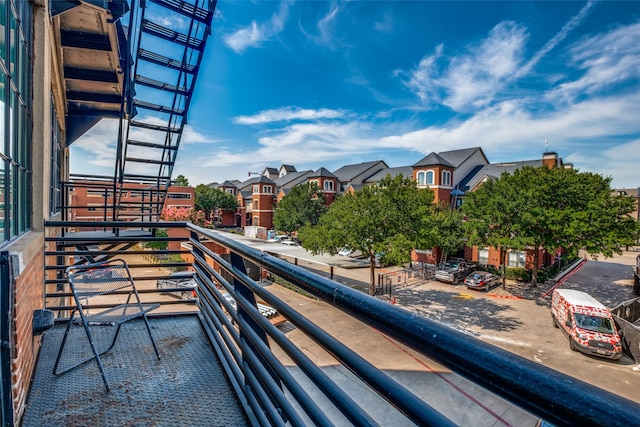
[(187, 386)]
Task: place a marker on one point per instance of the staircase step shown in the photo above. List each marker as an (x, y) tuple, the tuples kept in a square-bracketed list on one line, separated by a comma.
[(158, 107), (150, 145), (170, 35), (149, 161), (150, 126), (150, 179), (186, 9), (158, 59)]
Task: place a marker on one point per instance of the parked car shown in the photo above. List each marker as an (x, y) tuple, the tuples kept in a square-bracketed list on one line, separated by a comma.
[(481, 280), (278, 239), (182, 279), (345, 251), (586, 322), (289, 242), (453, 272)]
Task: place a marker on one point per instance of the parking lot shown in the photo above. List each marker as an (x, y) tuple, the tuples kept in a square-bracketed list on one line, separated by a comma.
[(503, 318)]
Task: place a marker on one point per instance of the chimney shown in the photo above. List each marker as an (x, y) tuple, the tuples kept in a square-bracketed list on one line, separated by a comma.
[(550, 159)]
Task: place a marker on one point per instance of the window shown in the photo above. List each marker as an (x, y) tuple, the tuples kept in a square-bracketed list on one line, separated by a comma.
[(483, 256), (429, 178), (517, 259), (425, 177), (314, 181), (15, 123), (328, 185), (55, 199), (446, 177), (256, 188), (229, 190), (267, 189), (178, 196)]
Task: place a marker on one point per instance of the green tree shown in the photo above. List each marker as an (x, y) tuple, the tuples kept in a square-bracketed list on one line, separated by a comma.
[(491, 215), (389, 218), (544, 208), (444, 229), (208, 199), (304, 205), (181, 181)]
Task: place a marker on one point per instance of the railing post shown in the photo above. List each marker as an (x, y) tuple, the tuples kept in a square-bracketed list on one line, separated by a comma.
[(242, 290)]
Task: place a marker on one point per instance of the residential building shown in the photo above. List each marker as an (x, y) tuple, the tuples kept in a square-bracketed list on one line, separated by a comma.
[(326, 182), (94, 200)]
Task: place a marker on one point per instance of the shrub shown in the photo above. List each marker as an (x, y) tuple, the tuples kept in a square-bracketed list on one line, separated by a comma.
[(158, 245), (517, 273)]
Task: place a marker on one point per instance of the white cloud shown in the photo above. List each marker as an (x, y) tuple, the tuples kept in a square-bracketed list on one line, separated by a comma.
[(606, 59), (95, 151), (553, 42), (256, 33), (504, 131), (471, 80), (287, 114)]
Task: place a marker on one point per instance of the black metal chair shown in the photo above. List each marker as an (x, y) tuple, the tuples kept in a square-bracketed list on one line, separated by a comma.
[(101, 279)]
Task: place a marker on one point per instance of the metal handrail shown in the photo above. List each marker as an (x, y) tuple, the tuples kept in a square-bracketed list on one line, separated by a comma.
[(556, 397), (241, 337)]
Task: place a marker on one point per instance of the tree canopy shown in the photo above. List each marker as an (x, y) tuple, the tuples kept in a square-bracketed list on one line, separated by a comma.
[(181, 181), (208, 199), (303, 205), (389, 217), (544, 208)]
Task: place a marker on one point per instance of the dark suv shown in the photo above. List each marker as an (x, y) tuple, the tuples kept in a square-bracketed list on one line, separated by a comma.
[(453, 271)]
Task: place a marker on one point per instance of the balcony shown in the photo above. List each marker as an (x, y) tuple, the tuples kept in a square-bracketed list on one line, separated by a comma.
[(333, 356)]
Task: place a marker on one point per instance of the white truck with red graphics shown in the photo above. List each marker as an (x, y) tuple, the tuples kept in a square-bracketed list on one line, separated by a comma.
[(586, 322)]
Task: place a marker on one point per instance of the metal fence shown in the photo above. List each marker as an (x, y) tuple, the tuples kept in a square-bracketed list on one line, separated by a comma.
[(272, 395)]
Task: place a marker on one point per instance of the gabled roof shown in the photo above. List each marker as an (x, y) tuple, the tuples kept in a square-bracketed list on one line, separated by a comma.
[(406, 171), (284, 191), (322, 173), (495, 170), (292, 178), (288, 168), (349, 172), (457, 157), (228, 184), (433, 159), (270, 171), (264, 180), (249, 182)]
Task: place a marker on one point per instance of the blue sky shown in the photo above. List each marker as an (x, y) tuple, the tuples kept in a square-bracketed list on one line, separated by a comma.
[(328, 83)]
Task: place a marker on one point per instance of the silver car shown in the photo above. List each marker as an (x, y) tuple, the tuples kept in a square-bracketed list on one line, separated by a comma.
[(481, 280), (184, 280)]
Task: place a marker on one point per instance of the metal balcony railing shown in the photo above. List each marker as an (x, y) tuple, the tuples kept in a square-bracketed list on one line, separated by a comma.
[(283, 387)]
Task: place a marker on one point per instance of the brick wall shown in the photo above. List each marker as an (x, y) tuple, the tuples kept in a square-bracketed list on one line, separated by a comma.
[(28, 296)]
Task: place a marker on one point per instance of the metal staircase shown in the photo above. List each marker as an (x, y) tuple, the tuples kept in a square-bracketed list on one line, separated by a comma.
[(158, 91)]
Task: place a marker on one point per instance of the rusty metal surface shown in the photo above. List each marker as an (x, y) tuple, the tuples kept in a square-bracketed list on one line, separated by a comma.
[(187, 386)]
